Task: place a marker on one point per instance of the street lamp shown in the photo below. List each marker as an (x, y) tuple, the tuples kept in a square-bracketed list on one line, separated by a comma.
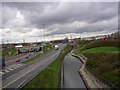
[(43, 38)]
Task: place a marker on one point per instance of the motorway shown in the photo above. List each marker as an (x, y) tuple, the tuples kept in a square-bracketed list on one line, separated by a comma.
[(71, 77), (22, 57), (18, 77), (12, 60)]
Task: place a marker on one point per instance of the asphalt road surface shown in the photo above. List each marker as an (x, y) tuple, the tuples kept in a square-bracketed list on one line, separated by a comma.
[(71, 66), (22, 75), (16, 56), (12, 60)]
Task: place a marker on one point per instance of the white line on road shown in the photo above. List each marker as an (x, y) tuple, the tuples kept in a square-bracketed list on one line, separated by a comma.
[(21, 76), (1, 72), (10, 69), (20, 64), (14, 67), (17, 66), (6, 70)]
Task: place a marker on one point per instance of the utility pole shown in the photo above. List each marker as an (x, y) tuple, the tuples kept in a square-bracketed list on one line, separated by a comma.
[(23, 40), (44, 32), (43, 38), (9, 32), (3, 38)]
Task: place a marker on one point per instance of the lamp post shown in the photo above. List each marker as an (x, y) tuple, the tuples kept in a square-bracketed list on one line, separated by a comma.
[(9, 46), (43, 35)]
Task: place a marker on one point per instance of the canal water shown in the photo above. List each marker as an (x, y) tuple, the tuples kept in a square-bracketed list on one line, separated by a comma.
[(71, 76)]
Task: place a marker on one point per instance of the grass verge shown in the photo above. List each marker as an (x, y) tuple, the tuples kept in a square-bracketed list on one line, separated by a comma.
[(49, 78), (102, 49), (103, 60), (6, 52), (98, 46)]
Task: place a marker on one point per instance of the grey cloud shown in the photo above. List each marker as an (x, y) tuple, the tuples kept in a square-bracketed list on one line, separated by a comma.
[(0, 15), (63, 12), (38, 13)]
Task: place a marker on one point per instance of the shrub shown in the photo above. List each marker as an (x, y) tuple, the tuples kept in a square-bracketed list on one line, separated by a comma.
[(105, 66), (98, 43)]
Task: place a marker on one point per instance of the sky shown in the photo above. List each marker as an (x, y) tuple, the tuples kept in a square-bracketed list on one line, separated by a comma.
[(38, 21)]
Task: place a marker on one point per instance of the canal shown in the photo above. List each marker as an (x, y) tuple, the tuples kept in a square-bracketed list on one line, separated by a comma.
[(71, 76)]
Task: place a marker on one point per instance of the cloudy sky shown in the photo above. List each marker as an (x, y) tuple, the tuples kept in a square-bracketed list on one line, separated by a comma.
[(55, 20)]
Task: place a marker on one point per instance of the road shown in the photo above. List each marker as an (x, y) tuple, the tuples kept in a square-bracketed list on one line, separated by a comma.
[(12, 60), (16, 56), (12, 64), (22, 75), (71, 77)]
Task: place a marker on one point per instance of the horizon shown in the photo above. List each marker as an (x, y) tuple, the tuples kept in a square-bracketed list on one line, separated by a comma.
[(46, 21)]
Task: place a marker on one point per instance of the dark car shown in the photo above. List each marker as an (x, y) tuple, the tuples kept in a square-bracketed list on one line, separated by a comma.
[(17, 60), (27, 56)]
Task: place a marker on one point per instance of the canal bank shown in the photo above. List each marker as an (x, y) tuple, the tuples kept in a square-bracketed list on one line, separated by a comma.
[(90, 80)]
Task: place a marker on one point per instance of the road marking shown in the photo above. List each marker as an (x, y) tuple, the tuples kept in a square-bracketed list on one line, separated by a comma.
[(21, 76), (14, 67), (20, 64), (1, 72), (6, 70), (10, 69), (17, 66)]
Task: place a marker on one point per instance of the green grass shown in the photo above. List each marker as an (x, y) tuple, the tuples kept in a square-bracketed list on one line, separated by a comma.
[(5, 52), (102, 49), (100, 43), (47, 79), (106, 49), (105, 66), (50, 77), (98, 46), (103, 60)]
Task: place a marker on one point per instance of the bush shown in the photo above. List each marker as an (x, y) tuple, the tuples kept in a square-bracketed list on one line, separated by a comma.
[(98, 43), (5, 53), (105, 66)]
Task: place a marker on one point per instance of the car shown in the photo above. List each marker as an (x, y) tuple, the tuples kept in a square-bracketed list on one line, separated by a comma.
[(32, 50), (17, 60), (56, 47), (27, 56)]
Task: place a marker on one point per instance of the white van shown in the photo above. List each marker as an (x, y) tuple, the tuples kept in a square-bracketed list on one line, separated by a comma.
[(56, 47)]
